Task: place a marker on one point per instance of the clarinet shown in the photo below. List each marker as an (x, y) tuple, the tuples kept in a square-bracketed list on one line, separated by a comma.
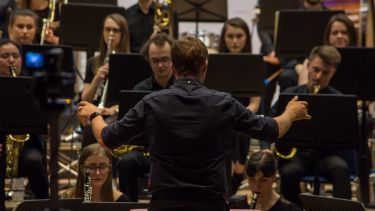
[(87, 189), (254, 200)]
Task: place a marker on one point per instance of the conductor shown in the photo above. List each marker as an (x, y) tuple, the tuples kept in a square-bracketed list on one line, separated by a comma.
[(187, 126)]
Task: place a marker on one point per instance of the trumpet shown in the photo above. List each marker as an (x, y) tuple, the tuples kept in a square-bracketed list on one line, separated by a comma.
[(123, 149), (293, 151), (48, 21)]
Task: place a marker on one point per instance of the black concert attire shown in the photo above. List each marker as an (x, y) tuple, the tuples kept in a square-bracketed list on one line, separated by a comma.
[(134, 164), (240, 202), (330, 163), (5, 7), (43, 14), (141, 26), (187, 126), (122, 198)]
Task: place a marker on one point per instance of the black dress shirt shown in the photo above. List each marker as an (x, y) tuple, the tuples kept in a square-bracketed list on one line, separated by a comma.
[(150, 84), (187, 126)]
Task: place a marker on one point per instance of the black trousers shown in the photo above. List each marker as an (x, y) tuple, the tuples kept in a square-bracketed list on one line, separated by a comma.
[(333, 167), (131, 166), (196, 204)]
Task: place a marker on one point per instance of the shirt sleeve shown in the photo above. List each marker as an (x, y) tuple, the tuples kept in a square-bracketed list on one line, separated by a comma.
[(256, 126), (125, 130)]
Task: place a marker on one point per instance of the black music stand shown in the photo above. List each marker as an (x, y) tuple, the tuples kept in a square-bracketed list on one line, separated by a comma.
[(239, 74), (201, 11), (123, 206), (19, 114), (323, 130), (128, 99), (298, 31), (268, 9), (42, 204), (353, 76), (126, 70), (320, 203), (81, 25)]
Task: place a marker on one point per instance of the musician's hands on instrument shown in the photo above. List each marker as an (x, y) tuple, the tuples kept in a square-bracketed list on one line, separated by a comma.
[(85, 109), (102, 71), (302, 72), (50, 37), (297, 110), (109, 111)]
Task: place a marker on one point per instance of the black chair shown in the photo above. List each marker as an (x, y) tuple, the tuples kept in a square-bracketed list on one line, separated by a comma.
[(320, 203)]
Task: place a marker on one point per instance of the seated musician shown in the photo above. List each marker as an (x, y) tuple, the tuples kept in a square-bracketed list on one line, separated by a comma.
[(32, 160), (321, 66), (96, 162), (22, 26), (235, 38), (116, 37), (261, 172), (157, 51), (339, 32)]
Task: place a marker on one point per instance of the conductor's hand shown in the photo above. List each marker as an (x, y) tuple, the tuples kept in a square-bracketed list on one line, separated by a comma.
[(297, 110), (85, 109)]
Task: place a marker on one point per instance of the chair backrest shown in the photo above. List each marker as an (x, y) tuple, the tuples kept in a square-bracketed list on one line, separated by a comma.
[(320, 203), (41, 204)]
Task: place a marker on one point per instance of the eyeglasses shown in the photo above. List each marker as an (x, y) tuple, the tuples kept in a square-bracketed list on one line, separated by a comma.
[(163, 60), (114, 30), (93, 168)]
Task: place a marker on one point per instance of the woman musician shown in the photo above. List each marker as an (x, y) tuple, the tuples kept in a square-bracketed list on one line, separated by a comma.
[(32, 160)]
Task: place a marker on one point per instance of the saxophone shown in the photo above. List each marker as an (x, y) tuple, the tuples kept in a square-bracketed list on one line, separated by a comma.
[(48, 21), (13, 144), (102, 89), (163, 19), (87, 188), (314, 90)]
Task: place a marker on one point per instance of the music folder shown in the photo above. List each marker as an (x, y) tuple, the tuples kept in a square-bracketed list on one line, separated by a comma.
[(334, 122)]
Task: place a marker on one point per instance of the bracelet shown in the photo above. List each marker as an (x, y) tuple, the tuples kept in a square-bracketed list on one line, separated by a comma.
[(94, 115)]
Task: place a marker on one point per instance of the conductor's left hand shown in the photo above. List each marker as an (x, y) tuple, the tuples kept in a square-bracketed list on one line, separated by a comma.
[(85, 109)]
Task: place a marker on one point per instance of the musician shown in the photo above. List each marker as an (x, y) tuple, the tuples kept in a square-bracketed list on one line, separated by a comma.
[(186, 126), (261, 175), (321, 65), (32, 161), (114, 26), (42, 9), (141, 17), (22, 26), (157, 51), (97, 162), (235, 38), (6, 7)]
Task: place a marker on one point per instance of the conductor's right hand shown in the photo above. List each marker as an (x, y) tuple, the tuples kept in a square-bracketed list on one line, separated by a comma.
[(102, 71), (297, 110)]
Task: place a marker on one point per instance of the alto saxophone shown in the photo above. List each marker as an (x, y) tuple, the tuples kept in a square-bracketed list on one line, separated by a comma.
[(13, 144), (87, 188), (314, 90), (102, 89)]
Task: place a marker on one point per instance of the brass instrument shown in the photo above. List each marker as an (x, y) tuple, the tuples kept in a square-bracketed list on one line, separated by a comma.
[(123, 149), (13, 144), (252, 200), (87, 188), (102, 89), (48, 21), (292, 152), (163, 19)]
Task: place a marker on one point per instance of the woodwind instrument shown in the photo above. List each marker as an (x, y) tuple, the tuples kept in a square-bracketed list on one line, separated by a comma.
[(48, 21), (253, 200), (163, 19), (87, 191)]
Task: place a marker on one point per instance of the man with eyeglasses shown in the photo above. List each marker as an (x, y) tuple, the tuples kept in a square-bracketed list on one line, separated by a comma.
[(157, 51)]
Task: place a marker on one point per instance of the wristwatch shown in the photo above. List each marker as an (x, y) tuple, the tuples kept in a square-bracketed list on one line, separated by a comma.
[(94, 115)]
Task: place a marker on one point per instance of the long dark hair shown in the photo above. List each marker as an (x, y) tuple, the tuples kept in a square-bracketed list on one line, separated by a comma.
[(123, 46), (349, 27), (94, 149), (238, 23)]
